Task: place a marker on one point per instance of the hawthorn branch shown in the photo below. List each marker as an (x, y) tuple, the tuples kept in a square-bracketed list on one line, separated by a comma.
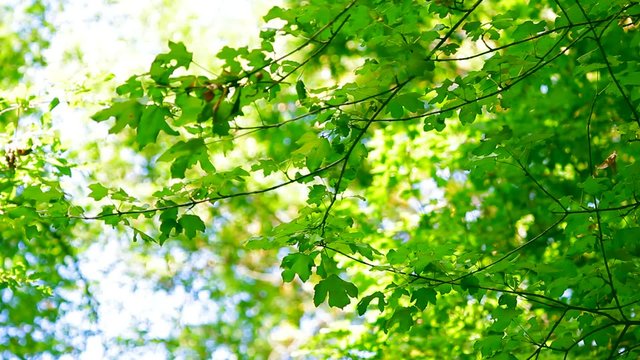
[(538, 184), (519, 42), (600, 236), (455, 27), (540, 65), (513, 251), (315, 53), (543, 344), (532, 297), (210, 199), (355, 143), (303, 45), (597, 39), (589, 118), (316, 111), (618, 340), (632, 206)]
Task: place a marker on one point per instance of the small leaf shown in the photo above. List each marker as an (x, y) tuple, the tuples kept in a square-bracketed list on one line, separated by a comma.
[(594, 186), (470, 283), (288, 275), (316, 149), (339, 291), (364, 303), (409, 101), (151, 122), (165, 64), (168, 223), (316, 193), (98, 191), (301, 90), (485, 148), (423, 296), (54, 103), (468, 114), (143, 235), (263, 243), (489, 344), (126, 113), (403, 317), (509, 301), (191, 224), (297, 263)]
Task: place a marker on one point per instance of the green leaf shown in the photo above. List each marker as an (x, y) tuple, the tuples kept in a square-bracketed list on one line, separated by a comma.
[(327, 265), (488, 345), (127, 113), (297, 263), (54, 102), (267, 166), (288, 275), (132, 87), (121, 195), (276, 12), (339, 291), (423, 296), (143, 235), (315, 149), (365, 301), (184, 155), (470, 283), (509, 301), (565, 340), (502, 319), (98, 191), (151, 122), (403, 317), (625, 244), (409, 101), (316, 194), (397, 256), (301, 90), (595, 186), (41, 194), (468, 113), (528, 28), (485, 148), (165, 64), (191, 225), (190, 108), (169, 222), (264, 243), (435, 122)]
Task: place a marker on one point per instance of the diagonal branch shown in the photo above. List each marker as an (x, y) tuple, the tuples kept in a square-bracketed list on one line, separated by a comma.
[(210, 199), (310, 40), (598, 41), (513, 251), (355, 143), (542, 344), (540, 65)]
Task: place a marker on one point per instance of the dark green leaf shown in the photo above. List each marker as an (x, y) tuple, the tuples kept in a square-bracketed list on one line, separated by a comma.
[(339, 291), (191, 225)]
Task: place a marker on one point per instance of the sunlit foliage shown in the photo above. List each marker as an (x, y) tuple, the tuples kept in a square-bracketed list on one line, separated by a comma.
[(441, 179)]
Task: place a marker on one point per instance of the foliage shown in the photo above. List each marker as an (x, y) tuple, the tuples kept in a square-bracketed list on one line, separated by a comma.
[(24, 31), (459, 177)]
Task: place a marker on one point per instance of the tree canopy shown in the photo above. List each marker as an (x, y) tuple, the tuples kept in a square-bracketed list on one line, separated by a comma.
[(372, 179)]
